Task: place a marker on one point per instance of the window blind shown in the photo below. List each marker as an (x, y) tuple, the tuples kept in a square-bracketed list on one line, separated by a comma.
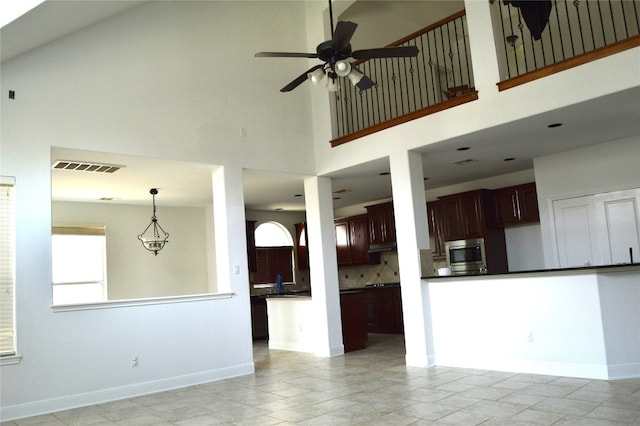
[(7, 265)]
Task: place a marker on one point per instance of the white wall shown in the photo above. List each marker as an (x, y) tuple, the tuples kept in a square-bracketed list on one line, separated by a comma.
[(524, 247), (544, 324), (133, 272), (122, 86), (610, 166)]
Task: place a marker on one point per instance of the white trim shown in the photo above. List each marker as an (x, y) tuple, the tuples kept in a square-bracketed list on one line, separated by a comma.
[(10, 359), (624, 371), (142, 302), (19, 411)]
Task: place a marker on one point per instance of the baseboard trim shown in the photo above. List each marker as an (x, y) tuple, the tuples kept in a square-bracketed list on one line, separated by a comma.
[(624, 371), (35, 408)]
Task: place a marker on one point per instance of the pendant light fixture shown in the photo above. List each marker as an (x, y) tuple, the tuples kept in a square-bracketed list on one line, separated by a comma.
[(155, 237)]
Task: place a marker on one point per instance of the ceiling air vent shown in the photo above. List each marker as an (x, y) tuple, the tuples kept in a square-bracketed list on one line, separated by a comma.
[(465, 162), (80, 166)]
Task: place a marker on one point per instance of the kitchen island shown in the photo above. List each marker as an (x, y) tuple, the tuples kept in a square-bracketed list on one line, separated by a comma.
[(577, 322), (291, 321)]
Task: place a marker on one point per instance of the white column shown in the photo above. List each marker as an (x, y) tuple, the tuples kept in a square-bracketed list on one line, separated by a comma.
[(412, 234), (483, 47), (231, 243), (323, 266)]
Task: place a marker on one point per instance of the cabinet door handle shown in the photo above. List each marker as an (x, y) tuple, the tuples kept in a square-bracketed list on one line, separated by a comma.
[(518, 206), (513, 205)]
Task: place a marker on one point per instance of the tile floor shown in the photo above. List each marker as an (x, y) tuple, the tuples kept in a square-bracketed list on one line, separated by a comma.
[(369, 387)]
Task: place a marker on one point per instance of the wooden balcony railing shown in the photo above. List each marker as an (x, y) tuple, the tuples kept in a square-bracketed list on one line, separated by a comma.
[(575, 32), (408, 88), (441, 76)]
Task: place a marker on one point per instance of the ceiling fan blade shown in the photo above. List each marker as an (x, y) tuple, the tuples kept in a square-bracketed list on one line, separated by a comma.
[(386, 52), (300, 79), (285, 55), (342, 35)]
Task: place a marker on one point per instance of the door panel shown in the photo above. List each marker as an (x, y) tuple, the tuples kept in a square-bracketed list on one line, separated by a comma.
[(575, 239)]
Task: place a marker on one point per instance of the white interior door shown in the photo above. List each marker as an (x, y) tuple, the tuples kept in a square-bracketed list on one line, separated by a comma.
[(621, 214), (576, 232), (601, 229)]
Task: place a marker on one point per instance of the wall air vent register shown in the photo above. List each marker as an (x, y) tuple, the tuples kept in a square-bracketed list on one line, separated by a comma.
[(80, 166)]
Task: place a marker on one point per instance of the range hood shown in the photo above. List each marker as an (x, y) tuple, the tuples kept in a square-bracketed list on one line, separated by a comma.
[(377, 248)]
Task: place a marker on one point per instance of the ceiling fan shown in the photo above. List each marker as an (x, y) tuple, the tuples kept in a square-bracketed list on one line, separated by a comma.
[(335, 55)]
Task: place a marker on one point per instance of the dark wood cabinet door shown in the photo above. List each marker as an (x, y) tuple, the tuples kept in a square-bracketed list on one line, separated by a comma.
[(436, 233), (251, 245), (517, 205), (259, 319), (359, 239), (354, 320), (506, 200), (452, 219), (384, 310), (472, 212), (302, 253), (528, 201), (343, 250), (382, 227)]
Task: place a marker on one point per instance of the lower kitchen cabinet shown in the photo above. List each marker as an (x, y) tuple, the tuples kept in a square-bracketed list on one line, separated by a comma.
[(353, 309), (384, 310), (259, 319)]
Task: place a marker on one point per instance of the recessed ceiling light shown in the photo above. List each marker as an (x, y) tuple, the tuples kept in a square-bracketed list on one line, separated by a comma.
[(297, 195), (384, 173), (336, 198), (509, 159), (278, 209), (426, 178), (553, 125), (341, 191), (463, 148)]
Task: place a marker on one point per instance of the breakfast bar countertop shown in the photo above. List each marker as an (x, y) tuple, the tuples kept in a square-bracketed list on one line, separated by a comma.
[(590, 268)]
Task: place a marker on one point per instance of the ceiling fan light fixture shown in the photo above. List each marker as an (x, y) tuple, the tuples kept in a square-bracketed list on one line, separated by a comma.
[(355, 76), (316, 76), (332, 83), (342, 68)]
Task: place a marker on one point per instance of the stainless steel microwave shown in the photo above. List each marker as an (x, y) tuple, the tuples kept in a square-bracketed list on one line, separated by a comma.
[(466, 257)]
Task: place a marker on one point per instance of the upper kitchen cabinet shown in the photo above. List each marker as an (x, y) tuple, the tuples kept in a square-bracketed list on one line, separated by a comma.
[(251, 245), (302, 253), (436, 233), (382, 227), (467, 215), (517, 205), (352, 241)]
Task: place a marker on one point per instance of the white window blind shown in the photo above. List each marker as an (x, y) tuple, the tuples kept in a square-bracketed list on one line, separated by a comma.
[(78, 258), (7, 266)]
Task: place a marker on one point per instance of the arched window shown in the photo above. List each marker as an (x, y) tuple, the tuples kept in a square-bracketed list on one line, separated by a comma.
[(274, 253), (273, 234)]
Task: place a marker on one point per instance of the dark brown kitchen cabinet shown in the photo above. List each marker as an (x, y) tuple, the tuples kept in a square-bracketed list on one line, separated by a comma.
[(382, 226), (251, 245), (302, 253), (353, 309), (343, 249), (384, 310), (436, 233), (467, 215), (259, 319), (352, 241), (517, 205)]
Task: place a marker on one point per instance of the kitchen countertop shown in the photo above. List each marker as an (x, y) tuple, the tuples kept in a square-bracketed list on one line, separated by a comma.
[(623, 266)]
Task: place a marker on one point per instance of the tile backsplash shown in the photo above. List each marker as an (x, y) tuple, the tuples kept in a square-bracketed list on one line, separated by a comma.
[(359, 276)]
